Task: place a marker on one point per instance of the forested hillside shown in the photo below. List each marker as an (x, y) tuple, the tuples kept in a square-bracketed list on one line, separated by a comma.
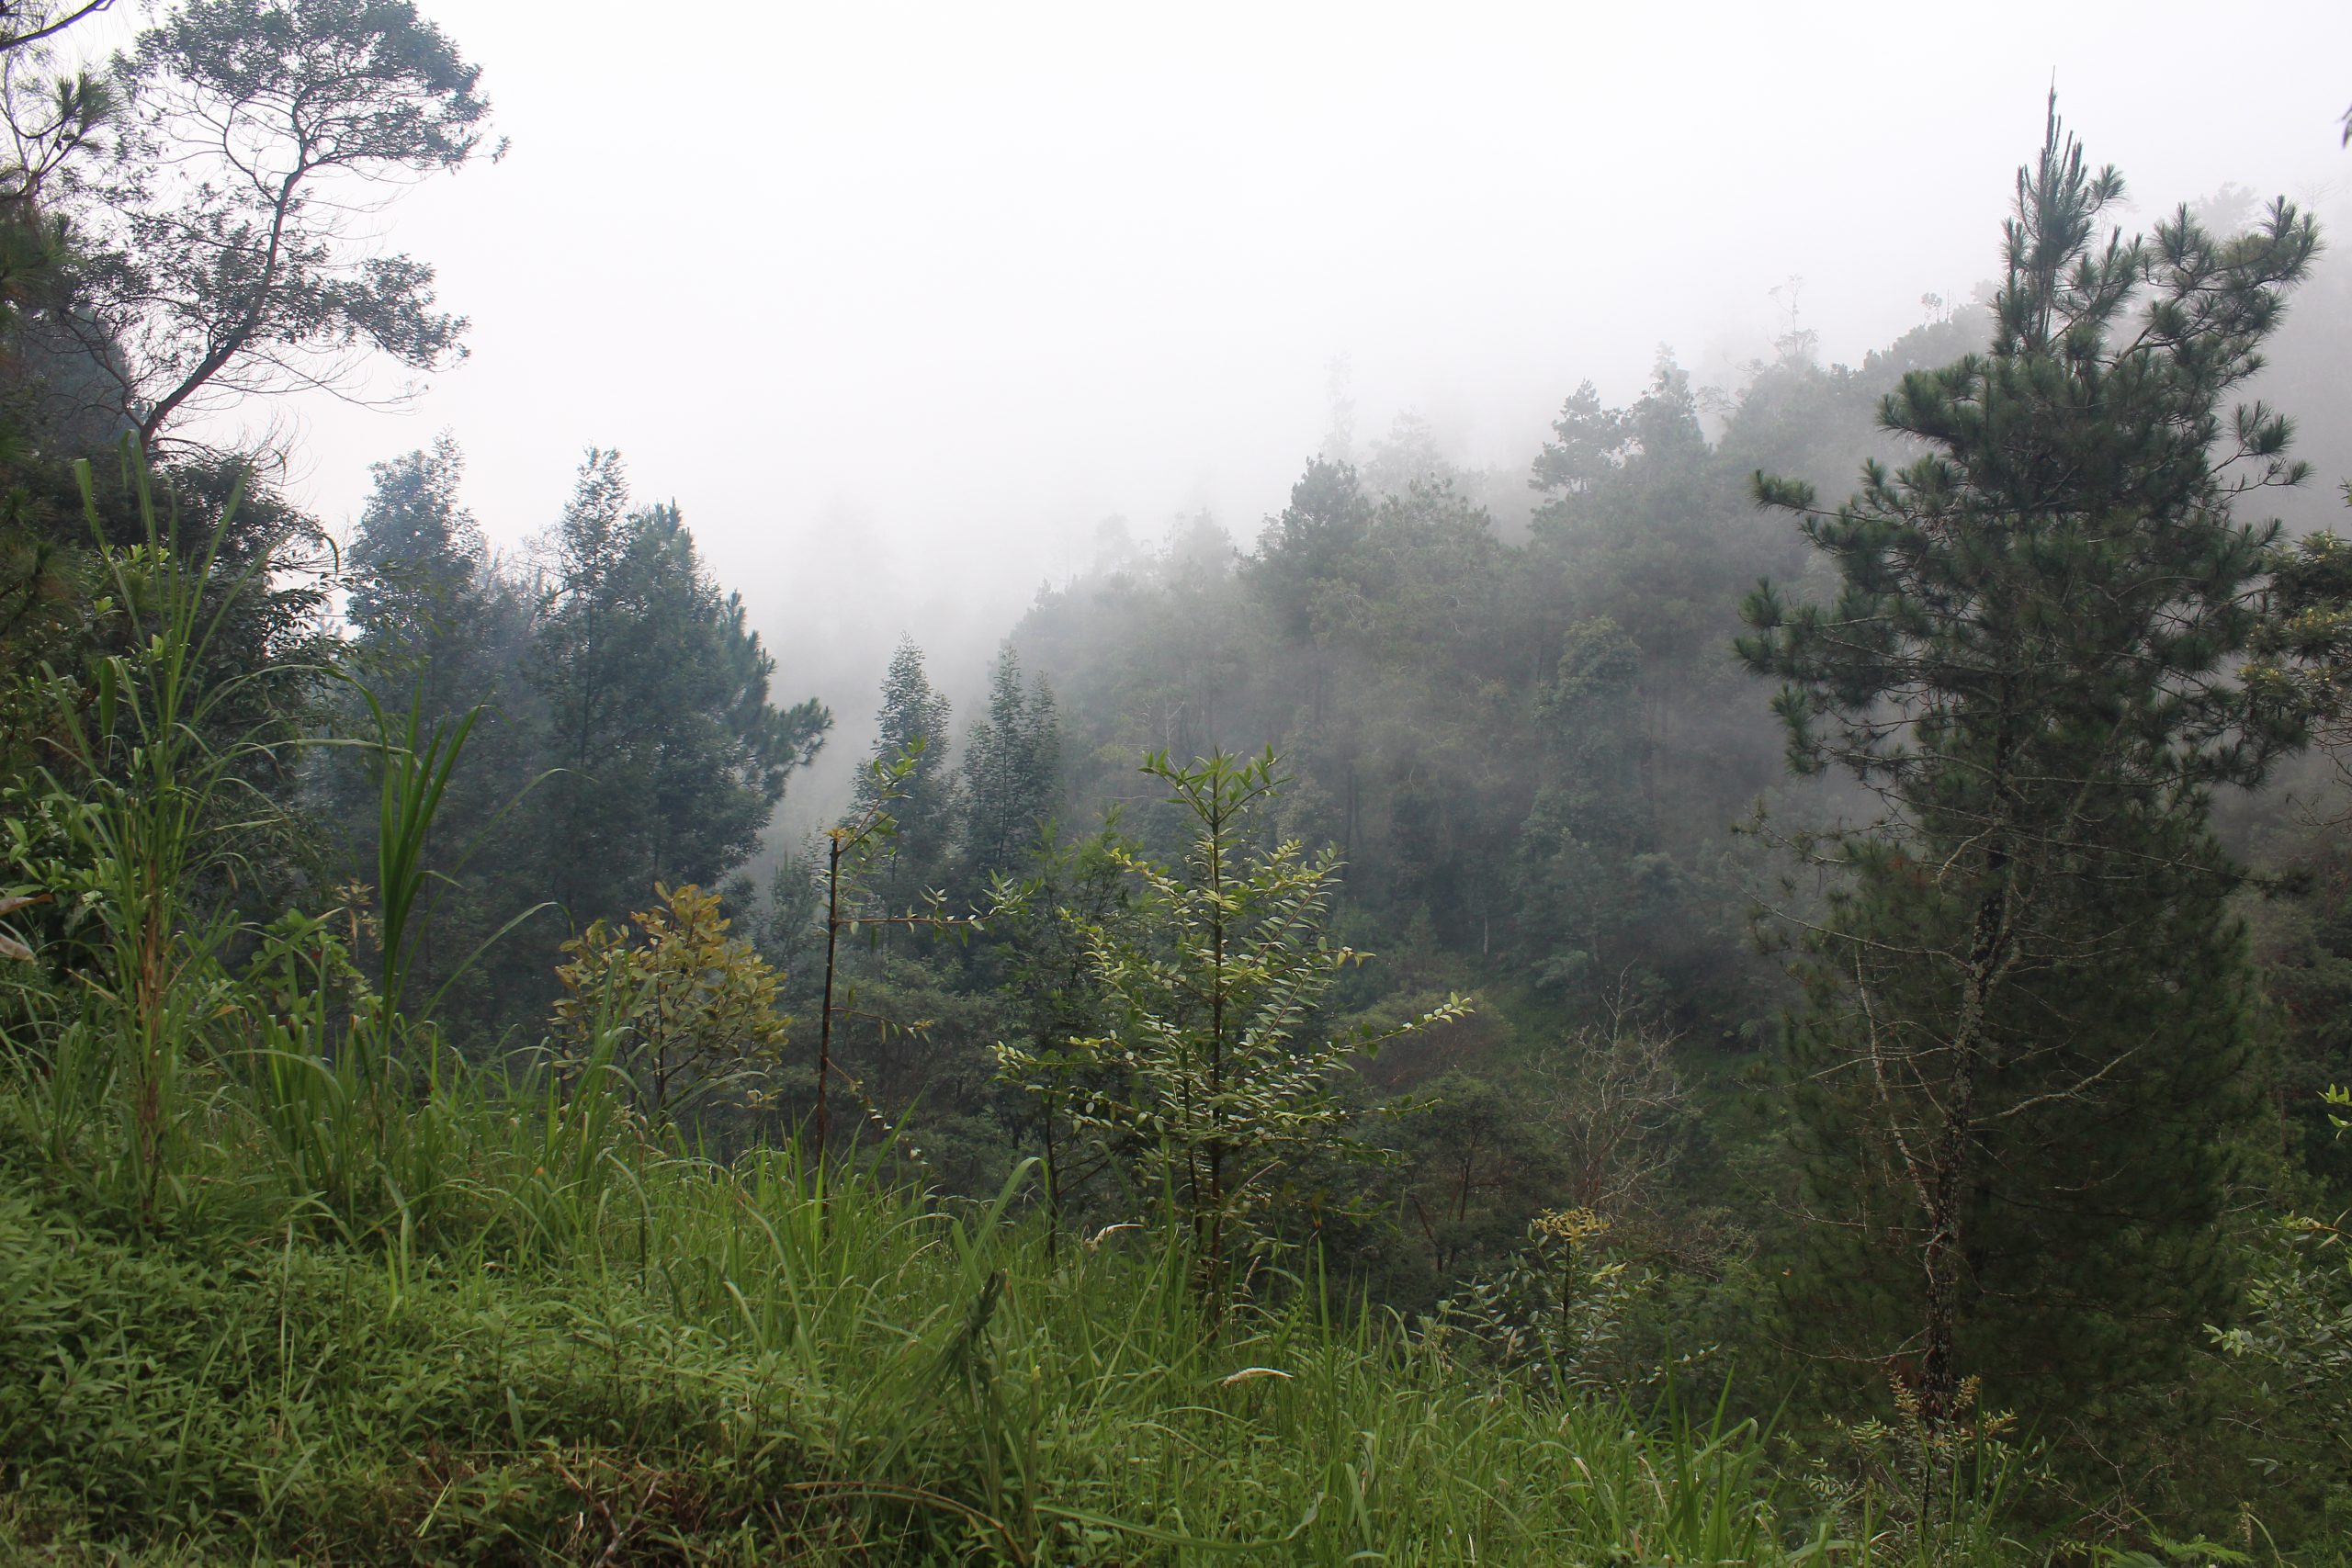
[(1771, 983)]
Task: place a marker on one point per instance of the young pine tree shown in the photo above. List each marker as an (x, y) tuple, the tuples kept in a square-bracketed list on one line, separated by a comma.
[(1220, 1068), (2024, 1055)]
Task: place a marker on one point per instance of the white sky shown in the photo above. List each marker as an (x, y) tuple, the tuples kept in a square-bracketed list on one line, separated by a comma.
[(899, 300)]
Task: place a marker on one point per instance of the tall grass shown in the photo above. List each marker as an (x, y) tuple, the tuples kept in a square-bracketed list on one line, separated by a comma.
[(163, 804), (710, 1361), (570, 1340)]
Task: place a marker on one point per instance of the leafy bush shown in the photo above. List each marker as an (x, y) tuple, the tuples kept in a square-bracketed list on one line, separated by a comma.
[(696, 1008), (1555, 1312)]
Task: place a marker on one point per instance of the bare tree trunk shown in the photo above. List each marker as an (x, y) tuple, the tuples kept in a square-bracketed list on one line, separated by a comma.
[(825, 1019), (1951, 1163)]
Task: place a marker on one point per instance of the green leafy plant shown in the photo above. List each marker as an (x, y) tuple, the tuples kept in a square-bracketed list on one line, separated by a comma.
[(698, 1007), (2295, 1336), (1920, 1489), (1223, 1069), (166, 810), (1554, 1311)]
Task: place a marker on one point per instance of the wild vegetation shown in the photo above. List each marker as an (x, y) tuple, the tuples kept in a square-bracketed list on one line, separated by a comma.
[(1685, 1024)]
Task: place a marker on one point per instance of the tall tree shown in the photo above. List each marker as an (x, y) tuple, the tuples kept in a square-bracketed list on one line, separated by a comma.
[(416, 561), (223, 253), (438, 625), (1012, 775), (2023, 1058), (672, 756), (912, 722)]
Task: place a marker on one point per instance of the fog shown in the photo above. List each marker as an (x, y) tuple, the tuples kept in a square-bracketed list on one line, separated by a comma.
[(901, 302)]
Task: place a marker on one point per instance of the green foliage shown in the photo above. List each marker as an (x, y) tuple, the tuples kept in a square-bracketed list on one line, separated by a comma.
[(925, 798), (1554, 1310), (165, 819), (860, 873), (255, 565), (1223, 1073), (415, 566), (434, 616), (1471, 1160), (347, 1100), (297, 1263), (2297, 1335), (694, 1008), (412, 780), (1599, 904), (530, 1329), (1012, 775), (54, 122), (722, 1371), (672, 757), (216, 266), (1055, 1001), (1922, 1488), (2023, 1069)]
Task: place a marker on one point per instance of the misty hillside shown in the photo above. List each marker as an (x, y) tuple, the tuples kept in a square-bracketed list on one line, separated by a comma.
[(1519, 788)]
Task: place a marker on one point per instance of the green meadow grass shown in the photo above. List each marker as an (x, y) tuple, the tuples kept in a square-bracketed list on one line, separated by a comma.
[(566, 1342)]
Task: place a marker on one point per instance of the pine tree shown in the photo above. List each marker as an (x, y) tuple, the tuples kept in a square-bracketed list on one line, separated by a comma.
[(2023, 1058), (413, 573), (912, 721), (672, 757), (441, 628), (1012, 776)]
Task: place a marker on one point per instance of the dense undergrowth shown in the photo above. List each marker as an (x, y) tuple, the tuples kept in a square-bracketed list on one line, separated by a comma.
[(579, 1346)]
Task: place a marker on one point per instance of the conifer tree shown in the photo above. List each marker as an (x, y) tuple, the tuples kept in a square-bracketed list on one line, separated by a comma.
[(1590, 881), (2023, 1057), (1012, 767), (912, 723), (439, 626), (414, 570), (672, 757)]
